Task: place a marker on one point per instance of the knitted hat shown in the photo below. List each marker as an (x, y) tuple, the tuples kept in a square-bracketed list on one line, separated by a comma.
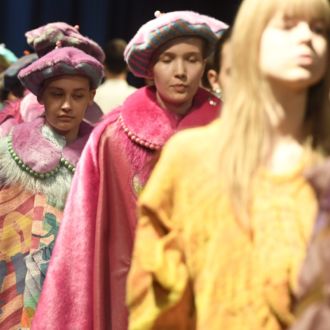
[(61, 61), (46, 37), (164, 27)]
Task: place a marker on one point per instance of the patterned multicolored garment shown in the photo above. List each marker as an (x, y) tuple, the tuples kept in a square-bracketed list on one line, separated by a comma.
[(45, 227), (28, 228), (16, 212), (33, 190)]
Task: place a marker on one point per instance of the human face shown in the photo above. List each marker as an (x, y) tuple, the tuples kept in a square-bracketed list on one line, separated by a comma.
[(177, 73), (294, 51), (66, 99), (224, 72)]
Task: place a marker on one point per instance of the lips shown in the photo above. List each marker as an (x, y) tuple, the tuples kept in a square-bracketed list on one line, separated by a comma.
[(305, 59), (65, 118), (180, 88)]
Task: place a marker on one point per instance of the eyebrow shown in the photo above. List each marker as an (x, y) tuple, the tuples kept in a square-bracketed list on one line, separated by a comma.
[(60, 88), (188, 53)]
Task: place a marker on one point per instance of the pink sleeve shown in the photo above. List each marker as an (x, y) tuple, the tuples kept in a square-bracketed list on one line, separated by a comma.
[(66, 299)]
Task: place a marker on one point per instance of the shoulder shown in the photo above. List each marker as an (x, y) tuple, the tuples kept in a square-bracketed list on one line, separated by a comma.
[(191, 150), (194, 140), (107, 121)]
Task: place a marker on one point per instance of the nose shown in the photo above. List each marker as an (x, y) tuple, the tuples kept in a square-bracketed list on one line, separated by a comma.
[(304, 31), (66, 105), (180, 69)]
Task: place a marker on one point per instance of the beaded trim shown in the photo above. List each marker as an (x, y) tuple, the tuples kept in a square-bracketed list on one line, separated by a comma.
[(30, 171), (136, 139)]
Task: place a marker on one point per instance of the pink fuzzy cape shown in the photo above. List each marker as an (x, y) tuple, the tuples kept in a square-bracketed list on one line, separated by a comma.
[(85, 284)]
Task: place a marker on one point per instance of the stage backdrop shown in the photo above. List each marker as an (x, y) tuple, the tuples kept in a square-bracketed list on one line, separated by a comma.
[(100, 20)]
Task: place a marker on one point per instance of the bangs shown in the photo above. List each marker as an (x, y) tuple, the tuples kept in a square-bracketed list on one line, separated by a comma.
[(307, 9)]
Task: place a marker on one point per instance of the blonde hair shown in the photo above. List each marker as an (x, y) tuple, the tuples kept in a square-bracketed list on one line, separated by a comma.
[(246, 131)]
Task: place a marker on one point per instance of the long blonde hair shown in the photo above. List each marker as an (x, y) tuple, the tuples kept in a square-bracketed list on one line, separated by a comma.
[(246, 130)]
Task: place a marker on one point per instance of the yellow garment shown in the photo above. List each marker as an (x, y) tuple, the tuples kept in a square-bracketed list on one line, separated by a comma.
[(194, 266)]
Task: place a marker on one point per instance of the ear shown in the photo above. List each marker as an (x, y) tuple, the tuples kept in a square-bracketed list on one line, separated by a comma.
[(91, 96), (150, 73), (212, 77)]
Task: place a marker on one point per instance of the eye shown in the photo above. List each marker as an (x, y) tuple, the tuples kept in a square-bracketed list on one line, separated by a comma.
[(289, 23), (56, 94), (165, 59), (193, 59), (318, 27), (78, 96)]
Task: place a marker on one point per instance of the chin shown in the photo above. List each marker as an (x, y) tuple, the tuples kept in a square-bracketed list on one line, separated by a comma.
[(299, 81), (63, 130), (180, 98)]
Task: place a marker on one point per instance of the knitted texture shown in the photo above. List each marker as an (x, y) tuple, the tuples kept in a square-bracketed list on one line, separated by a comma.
[(165, 27), (61, 61), (44, 39)]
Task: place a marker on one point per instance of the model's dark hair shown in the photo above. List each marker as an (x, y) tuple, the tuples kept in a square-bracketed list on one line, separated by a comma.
[(114, 56), (214, 60)]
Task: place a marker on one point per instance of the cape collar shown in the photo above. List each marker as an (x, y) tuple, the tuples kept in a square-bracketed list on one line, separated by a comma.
[(37, 149), (149, 125)]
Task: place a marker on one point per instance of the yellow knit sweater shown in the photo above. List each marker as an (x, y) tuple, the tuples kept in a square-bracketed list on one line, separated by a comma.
[(194, 266)]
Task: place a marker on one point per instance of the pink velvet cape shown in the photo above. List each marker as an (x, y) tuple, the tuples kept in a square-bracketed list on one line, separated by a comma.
[(85, 283)]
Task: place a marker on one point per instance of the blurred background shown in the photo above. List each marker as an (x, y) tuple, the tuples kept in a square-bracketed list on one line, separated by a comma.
[(100, 20)]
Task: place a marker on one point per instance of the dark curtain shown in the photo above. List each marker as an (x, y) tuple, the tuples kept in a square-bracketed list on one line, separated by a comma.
[(100, 20)]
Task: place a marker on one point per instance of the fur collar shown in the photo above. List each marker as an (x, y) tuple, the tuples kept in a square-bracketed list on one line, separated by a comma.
[(42, 150), (38, 159), (141, 108)]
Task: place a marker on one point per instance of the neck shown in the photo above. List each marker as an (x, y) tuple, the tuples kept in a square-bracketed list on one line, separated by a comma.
[(287, 114), (71, 136), (179, 109), (289, 130)]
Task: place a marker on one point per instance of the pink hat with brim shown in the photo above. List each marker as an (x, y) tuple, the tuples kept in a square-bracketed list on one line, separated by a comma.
[(59, 62), (45, 38), (155, 33)]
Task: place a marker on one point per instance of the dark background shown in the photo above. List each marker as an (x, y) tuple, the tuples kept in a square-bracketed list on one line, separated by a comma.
[(100, 20)]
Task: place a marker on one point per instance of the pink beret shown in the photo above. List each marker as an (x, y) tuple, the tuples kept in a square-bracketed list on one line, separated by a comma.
[(58, 62), (165, 27), (44, 39)]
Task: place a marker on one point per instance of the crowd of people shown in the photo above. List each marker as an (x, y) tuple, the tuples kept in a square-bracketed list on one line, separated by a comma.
[(199, 201)]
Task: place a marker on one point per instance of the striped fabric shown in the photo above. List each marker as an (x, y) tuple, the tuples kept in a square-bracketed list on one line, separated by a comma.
[(141, 54), (153, 34)]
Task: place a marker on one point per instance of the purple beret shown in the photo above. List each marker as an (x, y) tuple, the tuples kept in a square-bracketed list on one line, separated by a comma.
[(45, 38), (165, 27), (61, 61)]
